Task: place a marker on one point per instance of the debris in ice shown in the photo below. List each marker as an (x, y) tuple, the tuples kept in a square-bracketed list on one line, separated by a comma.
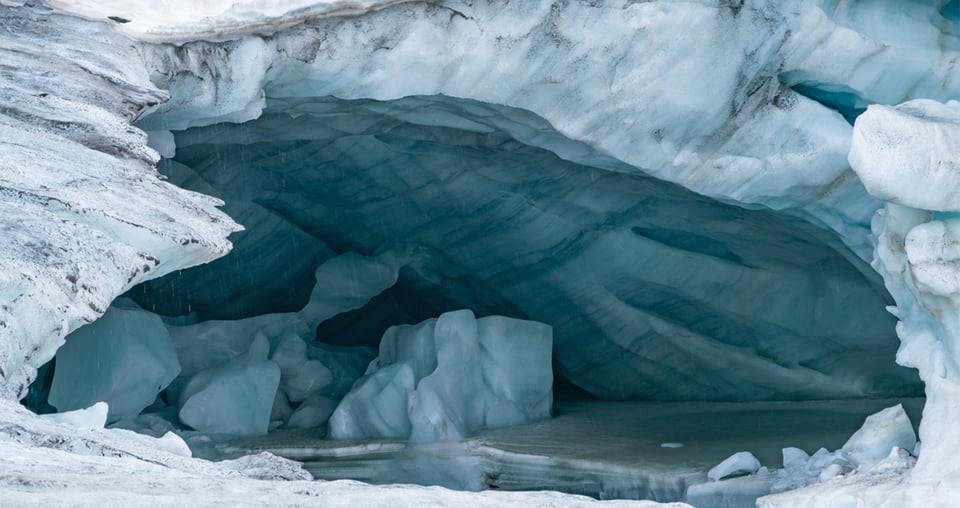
[(93, 417), (738, 463), (267, 466), (880, 433)]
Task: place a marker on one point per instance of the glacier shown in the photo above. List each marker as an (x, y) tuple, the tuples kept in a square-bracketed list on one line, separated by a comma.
[(722, 211)]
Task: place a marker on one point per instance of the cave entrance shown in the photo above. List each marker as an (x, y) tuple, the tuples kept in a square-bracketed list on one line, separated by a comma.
[(701, 309)]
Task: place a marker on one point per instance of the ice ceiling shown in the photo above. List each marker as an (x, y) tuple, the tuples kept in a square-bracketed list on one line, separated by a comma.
[(653, 292)]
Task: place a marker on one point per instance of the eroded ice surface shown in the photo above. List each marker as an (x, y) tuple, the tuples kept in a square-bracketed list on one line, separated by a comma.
[(448, 377), (84, 215), (881, 432), (85, 218), (916, 254), (234, 398), (646, 285)]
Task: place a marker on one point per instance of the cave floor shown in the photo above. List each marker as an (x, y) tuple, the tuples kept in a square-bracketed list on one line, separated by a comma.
[(633, 450)]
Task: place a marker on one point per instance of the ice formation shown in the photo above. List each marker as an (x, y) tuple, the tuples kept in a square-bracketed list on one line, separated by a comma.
[(688, 193), (880, 433), (448, 377), (738, 463), (125, 360), (234, 398)]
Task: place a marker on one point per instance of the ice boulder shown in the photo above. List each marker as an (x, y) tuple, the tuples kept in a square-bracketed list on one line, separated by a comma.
[(313, 412), (124, 358), (917, 142), (343, 283), (93, 417), (880, 432), (313, 376), (377, 406), (448, 377), (738, 463), (345, 364), (234, 398)]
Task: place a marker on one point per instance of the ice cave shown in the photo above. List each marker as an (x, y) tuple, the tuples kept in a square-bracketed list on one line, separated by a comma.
[(480, 253)]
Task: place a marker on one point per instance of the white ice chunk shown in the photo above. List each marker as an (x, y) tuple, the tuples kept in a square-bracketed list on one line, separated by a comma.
[(466, 374), (910, 154), (313, 412), (93, 417), (794, 457), (124, 358), (830, 472), (880, 433), (738, 463), (823, 458), (234, 398), (173, 443)]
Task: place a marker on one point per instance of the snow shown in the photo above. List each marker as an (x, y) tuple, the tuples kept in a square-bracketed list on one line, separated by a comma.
[(186, 19), (93, 417), (48, 464), (84, 215)]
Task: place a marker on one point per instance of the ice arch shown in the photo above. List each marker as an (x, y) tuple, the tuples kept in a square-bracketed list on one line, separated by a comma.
[(653, 291), (752, 141)]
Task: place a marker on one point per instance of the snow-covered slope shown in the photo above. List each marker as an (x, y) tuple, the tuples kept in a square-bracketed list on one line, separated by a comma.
[(83, 213)]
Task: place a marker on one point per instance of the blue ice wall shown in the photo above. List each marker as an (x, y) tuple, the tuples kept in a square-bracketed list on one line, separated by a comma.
[(653, 292)]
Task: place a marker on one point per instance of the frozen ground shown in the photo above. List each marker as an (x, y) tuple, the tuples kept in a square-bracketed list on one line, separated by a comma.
[(48, 464), (601, 449)]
